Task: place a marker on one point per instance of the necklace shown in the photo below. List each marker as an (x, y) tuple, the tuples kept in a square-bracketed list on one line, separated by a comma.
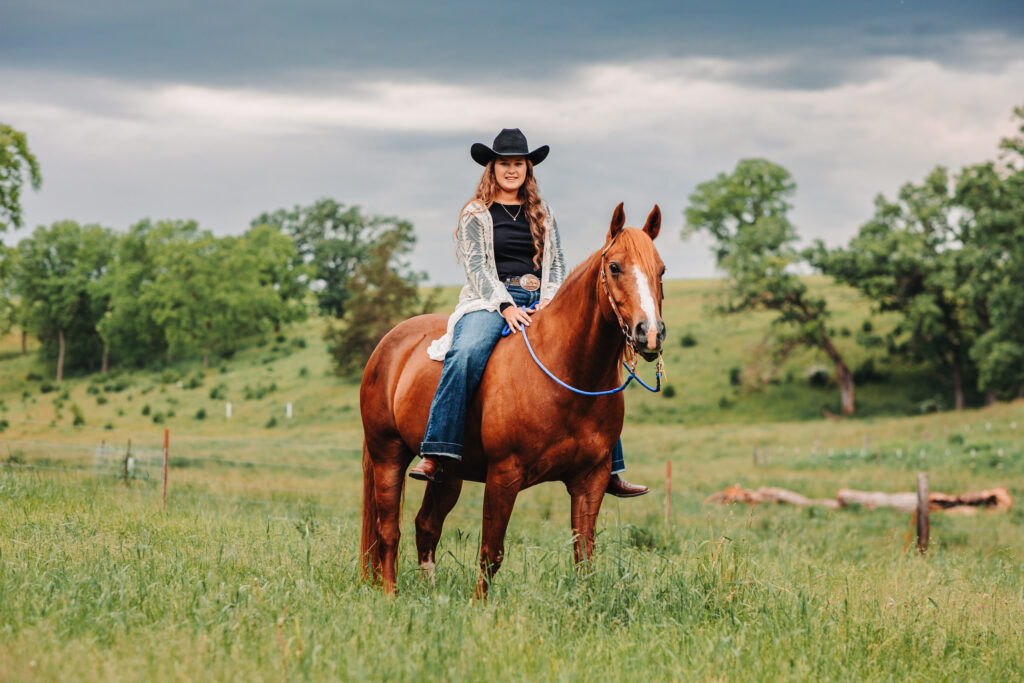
[(518, 211)]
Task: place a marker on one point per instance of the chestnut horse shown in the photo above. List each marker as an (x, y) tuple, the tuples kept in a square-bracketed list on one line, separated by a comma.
[(521, 428)]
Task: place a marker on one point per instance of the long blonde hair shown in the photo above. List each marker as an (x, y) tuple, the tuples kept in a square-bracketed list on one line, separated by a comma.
[(529, 195)]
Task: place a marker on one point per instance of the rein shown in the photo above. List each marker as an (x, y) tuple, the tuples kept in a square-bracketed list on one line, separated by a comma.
[(631, 370)]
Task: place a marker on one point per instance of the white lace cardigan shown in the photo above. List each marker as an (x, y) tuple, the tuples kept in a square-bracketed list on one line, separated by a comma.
[(483, 290)]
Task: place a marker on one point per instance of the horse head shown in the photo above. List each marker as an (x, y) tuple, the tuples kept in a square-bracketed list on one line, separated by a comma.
[(631, 273)]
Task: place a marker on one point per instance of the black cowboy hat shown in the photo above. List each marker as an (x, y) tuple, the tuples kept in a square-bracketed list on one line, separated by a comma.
[(510, 143)]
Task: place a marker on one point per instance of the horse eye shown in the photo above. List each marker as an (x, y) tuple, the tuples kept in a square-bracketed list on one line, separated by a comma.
[(614, 267)]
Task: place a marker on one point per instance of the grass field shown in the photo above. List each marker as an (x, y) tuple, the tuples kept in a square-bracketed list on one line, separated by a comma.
[(252, 573)]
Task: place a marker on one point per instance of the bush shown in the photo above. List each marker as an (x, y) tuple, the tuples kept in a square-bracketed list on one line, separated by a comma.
[(4, 424), (280, 339), (724, 402), (668, 391), (931, 405), (93, 389), (223, 369), (735, 376), (119, 384), (956, 439), (201, 414), (158, 418), (865, 373), (194, 382), (844, 331), (169, 376), (46, 387), (688, 340), (78, 419), (108, 426), (271, 423), (867, 327), (34, 377), (818, 376), (100, 400), (299, 343), (303, 371), (146, 409), (219, 392)]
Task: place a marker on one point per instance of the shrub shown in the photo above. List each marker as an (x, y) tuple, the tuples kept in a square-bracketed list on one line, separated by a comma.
[(46, 387), (931, 405), (280, 339), (844, 331), (4, 424), (867, 327), (956, 439), (818, 376), (93, 389), (169, 376), (735, 376), (201, 414), (223, 368), (78, 419), (668, 391), (271, 423), (34, 377), (158, 418), (171, 413), (194, 382), (100, 400), (119, 384), (219, 392), (108, 426), (146, 409), (724, 402), (688, 340), (303, 371), (299, 343)]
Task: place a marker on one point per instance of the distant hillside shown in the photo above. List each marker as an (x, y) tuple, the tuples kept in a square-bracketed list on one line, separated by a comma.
[(724, 376)]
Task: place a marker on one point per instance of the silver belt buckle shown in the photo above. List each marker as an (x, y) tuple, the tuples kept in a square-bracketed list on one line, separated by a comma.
[(529, 282)]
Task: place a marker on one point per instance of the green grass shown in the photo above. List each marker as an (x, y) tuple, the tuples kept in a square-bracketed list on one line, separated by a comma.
[(252, 574)]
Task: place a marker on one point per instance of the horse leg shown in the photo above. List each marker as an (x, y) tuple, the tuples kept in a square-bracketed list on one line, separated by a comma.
[(388, 479), (438, 501), (586, 493), (500, 493)]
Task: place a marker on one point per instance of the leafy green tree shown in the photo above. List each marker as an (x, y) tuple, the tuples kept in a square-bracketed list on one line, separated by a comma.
[(382, 291), (334, 240), (57, 276), (281, 270), (991, 197), (129, 329), (907, 259), (746, 213), (8, 308), (17, 164)]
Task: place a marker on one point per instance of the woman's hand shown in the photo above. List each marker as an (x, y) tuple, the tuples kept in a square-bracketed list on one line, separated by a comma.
[(515, 317), (543, 303)]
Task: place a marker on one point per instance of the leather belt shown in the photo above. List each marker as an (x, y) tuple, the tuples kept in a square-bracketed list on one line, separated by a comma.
[(529, 282)]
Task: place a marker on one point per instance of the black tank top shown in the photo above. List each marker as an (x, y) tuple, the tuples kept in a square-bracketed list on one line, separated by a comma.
[(513, 242)]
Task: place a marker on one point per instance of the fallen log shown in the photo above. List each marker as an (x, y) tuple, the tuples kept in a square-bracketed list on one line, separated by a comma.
[(996, 500), (767, 494)]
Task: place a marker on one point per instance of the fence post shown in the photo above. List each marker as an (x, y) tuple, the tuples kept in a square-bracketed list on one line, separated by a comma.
[(167, 439), (923, 508)]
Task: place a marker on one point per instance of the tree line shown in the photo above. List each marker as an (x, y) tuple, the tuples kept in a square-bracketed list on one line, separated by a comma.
[(945, 255), (169, 290)]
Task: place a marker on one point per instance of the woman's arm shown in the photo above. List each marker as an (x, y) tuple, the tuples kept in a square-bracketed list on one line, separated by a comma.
[(555, 274), (476, 251)]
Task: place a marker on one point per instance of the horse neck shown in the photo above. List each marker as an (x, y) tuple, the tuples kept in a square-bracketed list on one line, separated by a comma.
[(578, 331)]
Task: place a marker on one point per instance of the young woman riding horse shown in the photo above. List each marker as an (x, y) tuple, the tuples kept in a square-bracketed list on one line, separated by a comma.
[(508, 242)]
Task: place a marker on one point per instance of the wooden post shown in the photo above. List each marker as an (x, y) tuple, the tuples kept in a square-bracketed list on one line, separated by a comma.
[(167, 439), (923, 508), (757, 460), (668, 490)]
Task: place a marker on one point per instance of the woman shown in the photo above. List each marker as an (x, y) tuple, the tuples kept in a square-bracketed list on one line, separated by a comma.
[(508, 242)]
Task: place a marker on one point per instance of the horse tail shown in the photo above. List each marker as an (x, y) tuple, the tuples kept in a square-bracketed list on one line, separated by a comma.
[(369, 545)]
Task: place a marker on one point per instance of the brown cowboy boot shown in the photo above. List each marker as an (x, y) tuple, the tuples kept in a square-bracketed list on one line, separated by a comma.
[(617, 486), (428, 470)]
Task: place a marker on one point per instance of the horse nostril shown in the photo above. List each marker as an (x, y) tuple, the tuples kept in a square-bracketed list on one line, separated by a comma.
[(661, 329), (641, 330)]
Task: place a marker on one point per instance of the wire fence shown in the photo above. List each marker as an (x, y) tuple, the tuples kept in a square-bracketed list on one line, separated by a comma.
[(321, 476)]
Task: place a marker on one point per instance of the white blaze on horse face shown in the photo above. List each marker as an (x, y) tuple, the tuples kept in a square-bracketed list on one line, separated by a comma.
[(647, 306)]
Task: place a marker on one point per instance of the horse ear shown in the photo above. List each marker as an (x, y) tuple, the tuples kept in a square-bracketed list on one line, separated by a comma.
[(618, 220), (653, 225)]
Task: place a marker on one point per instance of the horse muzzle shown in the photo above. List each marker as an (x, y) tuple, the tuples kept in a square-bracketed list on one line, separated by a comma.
[(647, 340)]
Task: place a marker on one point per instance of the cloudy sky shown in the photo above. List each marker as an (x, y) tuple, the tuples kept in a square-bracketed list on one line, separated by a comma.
[(221, 110)]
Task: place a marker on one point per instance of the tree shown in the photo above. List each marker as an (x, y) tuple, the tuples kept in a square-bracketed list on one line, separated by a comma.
[(382, 291), (907, 259), (334, 240), (280, 270), (17, 164), (56, 277), (746, 212), (991, 197), (8, 309), (129, 329)]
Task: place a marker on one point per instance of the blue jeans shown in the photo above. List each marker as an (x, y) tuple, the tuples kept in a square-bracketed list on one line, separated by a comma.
[(474, 338)]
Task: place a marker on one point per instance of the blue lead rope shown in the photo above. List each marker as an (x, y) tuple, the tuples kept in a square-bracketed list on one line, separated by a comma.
[(632, 375)]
